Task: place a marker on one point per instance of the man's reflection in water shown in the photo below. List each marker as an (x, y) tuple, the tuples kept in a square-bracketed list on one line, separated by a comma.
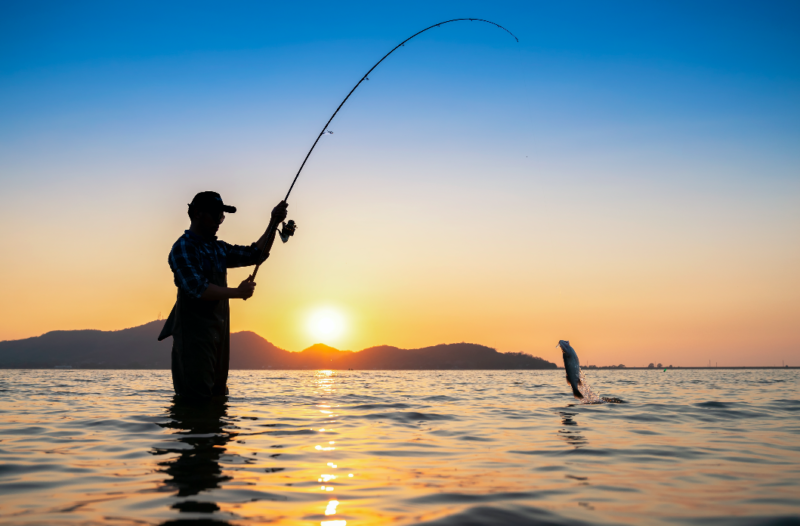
[(196, 469)]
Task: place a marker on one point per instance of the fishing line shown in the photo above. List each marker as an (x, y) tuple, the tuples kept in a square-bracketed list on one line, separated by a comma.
[(365, 77)]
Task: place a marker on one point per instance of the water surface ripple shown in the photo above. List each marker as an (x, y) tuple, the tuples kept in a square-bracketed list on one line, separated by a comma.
[(352, 448)]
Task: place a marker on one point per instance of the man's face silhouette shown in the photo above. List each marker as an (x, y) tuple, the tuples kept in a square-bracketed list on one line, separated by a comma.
[(207, 223)]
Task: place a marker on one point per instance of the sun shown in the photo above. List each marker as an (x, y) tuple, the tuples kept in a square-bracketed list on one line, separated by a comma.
[(326, 324)]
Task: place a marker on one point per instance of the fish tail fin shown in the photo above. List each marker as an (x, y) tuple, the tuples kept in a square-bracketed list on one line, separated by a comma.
[(577, 392)]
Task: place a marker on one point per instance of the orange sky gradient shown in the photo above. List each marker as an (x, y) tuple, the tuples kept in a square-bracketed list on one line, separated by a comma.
[(635, 197), (512, 268)]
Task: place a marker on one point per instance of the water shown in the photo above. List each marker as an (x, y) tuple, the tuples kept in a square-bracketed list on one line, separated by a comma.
[(589, 397), (389, 447)]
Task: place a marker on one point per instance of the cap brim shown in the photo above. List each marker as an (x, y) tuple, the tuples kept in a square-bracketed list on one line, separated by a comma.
[(229, 209)]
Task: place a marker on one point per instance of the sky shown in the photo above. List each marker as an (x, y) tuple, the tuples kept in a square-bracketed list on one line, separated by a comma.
[(626, 177)]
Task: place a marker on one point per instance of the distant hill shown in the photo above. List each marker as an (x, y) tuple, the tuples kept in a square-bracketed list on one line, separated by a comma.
[(129, 348), (138, 348)]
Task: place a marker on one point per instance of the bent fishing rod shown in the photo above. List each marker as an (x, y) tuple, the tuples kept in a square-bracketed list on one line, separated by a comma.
[(289, 228)]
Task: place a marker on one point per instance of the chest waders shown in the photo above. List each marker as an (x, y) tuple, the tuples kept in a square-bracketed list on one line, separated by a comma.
[(201, 338)]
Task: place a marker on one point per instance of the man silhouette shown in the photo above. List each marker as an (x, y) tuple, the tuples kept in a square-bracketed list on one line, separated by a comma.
[(200, 320)]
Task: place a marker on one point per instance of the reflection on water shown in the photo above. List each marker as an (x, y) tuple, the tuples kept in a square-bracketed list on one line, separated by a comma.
[(571, 434), (351, 448), (326, 389), (201, 439)]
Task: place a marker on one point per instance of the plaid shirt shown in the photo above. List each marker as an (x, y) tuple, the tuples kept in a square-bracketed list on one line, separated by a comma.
[(194, 260)]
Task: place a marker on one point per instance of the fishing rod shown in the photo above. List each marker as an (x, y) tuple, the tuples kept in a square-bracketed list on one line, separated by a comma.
[(289, 228)]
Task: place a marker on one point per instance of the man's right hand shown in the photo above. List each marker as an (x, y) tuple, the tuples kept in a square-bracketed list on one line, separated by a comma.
[(279, 212), (246, 288)]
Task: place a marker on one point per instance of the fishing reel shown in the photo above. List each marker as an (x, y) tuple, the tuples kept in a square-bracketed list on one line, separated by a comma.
[(288, 230)]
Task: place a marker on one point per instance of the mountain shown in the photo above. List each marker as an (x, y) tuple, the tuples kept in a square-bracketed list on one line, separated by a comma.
[(127, 349), (138, 348), (251, 351)]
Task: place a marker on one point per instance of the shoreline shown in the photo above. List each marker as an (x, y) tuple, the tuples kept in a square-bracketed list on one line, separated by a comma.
[(593, 369)]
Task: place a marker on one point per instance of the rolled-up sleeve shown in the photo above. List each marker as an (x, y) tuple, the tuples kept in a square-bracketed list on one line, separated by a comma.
[(184, 260), (241, 255)]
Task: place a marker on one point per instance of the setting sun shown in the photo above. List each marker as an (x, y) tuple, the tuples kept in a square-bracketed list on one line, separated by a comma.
[(326, 324)]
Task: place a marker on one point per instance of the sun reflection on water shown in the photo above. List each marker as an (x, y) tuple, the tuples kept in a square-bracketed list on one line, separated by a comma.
[(331, 509), (325, 381)]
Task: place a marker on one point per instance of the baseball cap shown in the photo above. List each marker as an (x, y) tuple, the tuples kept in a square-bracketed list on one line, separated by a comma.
[(210, 202)]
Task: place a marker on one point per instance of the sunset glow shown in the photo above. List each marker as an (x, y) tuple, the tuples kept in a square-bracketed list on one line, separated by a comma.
[(641, 204), (326, 325)]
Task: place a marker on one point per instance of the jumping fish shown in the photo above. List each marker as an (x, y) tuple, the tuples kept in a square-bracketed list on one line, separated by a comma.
[(572, 366)]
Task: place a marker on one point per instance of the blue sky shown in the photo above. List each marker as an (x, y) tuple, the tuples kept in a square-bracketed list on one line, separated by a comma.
[(750, 38), (615, 139), (734, 61)]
